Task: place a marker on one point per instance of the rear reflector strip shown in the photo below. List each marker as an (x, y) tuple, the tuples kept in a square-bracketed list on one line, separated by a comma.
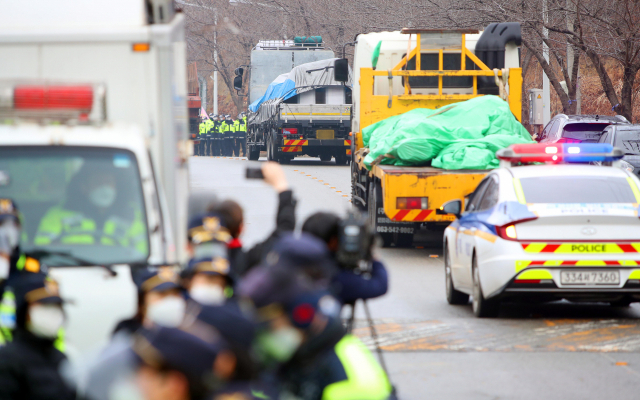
[(581, 248)]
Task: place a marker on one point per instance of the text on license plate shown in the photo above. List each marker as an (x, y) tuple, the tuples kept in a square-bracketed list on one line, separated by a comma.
[(590, 278)]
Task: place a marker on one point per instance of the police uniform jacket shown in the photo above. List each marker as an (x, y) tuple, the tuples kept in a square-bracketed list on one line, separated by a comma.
[(29, 369)]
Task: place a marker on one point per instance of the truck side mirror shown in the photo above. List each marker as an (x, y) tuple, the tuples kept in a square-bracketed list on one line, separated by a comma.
[(341, 70), (237, 82), (239, 71), (451, 207)]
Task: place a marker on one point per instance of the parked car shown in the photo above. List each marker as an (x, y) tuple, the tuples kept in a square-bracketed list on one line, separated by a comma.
[(578, 128), (627, 138)]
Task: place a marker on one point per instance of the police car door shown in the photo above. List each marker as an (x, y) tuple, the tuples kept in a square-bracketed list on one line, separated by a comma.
[(467, 227)]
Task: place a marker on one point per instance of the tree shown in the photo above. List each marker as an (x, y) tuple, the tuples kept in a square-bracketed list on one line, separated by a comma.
[(536, 18), (609, 30)]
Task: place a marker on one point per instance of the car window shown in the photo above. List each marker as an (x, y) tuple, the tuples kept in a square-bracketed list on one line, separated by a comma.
[(629, 141), (584, 131), (547, 129), (554, 130), (476, 196), (490, 196), (577, 189), (605, 137)]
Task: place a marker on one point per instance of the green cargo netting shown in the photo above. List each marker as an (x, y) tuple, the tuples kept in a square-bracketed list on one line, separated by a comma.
[(463, 135)]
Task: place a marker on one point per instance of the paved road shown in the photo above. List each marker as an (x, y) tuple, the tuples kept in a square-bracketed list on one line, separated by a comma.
[(437, 351)]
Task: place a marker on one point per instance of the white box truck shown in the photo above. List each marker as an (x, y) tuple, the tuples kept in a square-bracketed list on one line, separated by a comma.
[(93, 147)]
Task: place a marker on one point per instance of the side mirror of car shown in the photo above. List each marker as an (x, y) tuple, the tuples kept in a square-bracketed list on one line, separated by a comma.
[(237, 82), (341, 70), (451, 207)]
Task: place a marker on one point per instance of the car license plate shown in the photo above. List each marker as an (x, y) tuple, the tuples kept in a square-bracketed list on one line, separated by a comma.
[(589, 278)]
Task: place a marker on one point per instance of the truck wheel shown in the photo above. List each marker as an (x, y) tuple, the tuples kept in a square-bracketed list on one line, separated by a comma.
[(392, 233), (342, 159), (269, 148), (325, 157), (253, 153), (284, 160)]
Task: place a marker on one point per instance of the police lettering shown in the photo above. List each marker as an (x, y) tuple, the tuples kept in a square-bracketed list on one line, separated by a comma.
[(588, 248)]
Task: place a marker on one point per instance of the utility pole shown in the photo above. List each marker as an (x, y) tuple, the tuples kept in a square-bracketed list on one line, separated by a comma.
[(215, 61), (546, 94)]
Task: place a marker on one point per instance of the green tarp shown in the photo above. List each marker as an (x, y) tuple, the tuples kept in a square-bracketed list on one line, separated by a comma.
[(463, 135)]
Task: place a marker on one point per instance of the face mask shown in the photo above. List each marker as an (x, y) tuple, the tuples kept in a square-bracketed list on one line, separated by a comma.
[(4, 267), (103, 196), (281, 344), (45, 320), (168, 312), (209, 295)]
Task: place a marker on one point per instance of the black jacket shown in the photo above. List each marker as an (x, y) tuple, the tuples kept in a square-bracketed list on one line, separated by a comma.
[(30, 369), (349, 287), (315, 365), (285, 222)]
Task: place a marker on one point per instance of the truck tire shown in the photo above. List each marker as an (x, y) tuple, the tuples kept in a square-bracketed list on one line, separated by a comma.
[(391, 232), (269, 148), (253, 153), (325, 157)]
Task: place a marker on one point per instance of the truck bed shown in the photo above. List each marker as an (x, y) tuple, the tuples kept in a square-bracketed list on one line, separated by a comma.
[(290, 113), (421, 171)]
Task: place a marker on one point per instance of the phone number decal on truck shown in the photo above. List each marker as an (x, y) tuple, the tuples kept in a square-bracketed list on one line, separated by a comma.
[(393, 229)]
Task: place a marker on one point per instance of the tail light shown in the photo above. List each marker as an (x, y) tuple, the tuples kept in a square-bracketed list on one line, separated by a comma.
[(509, 231), (289, 131), (565, 140), (412, 203)]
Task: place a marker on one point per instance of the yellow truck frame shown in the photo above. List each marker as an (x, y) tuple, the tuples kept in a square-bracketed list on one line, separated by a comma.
[(377, 190)]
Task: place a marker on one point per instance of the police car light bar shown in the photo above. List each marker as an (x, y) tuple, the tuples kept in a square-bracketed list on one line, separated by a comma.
[(560, 153)]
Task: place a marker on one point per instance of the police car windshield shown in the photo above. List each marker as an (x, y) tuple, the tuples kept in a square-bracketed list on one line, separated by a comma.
[(577, 189), (83, 202)]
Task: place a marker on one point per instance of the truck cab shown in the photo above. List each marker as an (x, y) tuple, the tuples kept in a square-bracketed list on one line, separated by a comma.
[(86, 87)]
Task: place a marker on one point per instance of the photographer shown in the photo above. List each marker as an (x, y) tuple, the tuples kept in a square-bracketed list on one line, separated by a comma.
[(351, 282), (232, 217)]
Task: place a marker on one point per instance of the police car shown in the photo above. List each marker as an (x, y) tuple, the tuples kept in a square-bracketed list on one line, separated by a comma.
[(559, 228)]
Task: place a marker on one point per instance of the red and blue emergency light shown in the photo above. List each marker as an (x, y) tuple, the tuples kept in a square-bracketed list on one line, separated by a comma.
[(560, 153)]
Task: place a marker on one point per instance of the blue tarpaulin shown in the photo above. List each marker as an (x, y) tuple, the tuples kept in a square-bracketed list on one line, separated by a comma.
[(281, 87)]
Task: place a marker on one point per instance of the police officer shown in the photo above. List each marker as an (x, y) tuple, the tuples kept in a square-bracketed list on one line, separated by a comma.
[(215, 142), (209, 140), (301, 329), (176, 365), (241, 134), (234, 135), (30, 364), (97, 210), (228, 136), (202, 131), (160, 300), (12, 263)]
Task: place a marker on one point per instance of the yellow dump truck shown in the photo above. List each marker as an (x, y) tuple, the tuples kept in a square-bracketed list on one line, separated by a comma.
[(453, 66)]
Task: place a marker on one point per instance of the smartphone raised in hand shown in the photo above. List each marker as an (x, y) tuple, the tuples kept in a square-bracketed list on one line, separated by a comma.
[(254, 173)]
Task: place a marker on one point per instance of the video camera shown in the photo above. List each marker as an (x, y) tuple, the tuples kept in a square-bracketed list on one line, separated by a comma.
[(355, 241)]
